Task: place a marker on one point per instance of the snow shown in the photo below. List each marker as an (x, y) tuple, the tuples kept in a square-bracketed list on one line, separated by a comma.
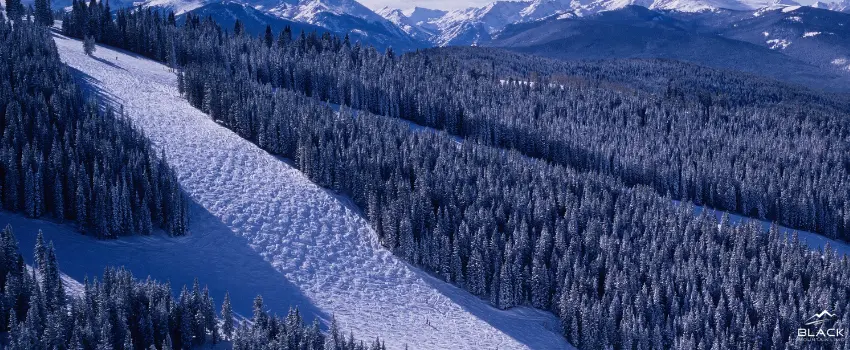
[(178, 6), (812, 240), (842, 63), (259, 226), (811, 34), (460, 26), (778, 44), (309, 11)]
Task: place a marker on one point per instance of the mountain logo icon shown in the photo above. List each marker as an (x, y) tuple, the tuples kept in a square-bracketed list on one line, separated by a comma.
[(820, 318)]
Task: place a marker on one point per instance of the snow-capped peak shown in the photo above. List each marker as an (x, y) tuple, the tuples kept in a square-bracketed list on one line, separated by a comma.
[(467, 26), (470, 25), (842, 6), (308, 10)]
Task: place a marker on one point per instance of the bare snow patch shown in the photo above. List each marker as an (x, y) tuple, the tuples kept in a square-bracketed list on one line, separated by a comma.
[(778, 44), (813, 240), (842, 63)]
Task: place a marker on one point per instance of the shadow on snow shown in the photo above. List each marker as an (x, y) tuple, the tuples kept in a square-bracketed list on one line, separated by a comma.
[(211, 252)]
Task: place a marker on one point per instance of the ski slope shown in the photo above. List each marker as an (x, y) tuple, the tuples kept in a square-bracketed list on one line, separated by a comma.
[(813, 240), (259, 226)]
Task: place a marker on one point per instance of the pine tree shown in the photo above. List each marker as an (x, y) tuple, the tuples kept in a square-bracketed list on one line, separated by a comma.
[(89, 46), (43, 13), (269, 37), (334, 340), (238, 28), (227, 316), (14, 9), (40, 252), (52, 281), (260, 318)]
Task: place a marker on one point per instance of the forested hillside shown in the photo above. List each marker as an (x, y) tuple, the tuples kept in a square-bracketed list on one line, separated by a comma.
[(726, 143), (566, 208), (67, 159), (64, 159), (118, 311)]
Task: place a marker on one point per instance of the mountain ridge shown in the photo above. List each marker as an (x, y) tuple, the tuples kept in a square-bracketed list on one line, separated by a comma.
[(475, 25), (337, 16)]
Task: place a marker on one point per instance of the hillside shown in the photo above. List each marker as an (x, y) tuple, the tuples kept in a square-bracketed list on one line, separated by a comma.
[(816, 36), (637, 32), (257, 225)]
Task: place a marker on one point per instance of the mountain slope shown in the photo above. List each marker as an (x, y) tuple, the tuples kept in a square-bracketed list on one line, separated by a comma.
[(260, 222), (255, 21), (418, 24), (342, 16), (226, 13), (475, 25), (817, 36), (337, 16), (637, 32)]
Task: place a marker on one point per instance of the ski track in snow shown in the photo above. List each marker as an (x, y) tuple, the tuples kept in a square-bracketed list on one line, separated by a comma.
[(259, 226), (812, 240)]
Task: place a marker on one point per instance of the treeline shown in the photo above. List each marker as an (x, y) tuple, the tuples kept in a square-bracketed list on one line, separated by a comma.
[(782, 162), (619, 265), (667, 78), (766, 154), (121, 312), (41, 14), (68, 160)]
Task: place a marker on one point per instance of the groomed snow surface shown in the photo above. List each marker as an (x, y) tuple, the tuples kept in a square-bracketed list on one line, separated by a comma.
[(259, 226), (813, 240)]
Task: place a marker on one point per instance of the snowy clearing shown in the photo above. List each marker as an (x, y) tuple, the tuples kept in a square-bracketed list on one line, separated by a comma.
[(259, 226), (813, 240), (778, 44)]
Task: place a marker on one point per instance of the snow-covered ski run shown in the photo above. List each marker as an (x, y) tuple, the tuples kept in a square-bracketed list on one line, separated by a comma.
[(259, 226)]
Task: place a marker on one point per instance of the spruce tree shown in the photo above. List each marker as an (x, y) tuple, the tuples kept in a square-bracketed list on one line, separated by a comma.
[(89, 46), (43, 13), (40, 252), (227, 316), (14, 9), (269, 37)]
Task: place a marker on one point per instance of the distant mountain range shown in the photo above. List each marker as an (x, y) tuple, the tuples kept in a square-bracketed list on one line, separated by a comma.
[(775, 38), (478, 25), (802, 45)]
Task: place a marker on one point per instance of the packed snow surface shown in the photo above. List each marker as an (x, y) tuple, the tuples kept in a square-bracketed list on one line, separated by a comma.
[(778, 44), (813, 240), (259, 226)]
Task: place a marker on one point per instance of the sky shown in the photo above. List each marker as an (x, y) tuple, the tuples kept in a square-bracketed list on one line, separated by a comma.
[(431, 4)]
